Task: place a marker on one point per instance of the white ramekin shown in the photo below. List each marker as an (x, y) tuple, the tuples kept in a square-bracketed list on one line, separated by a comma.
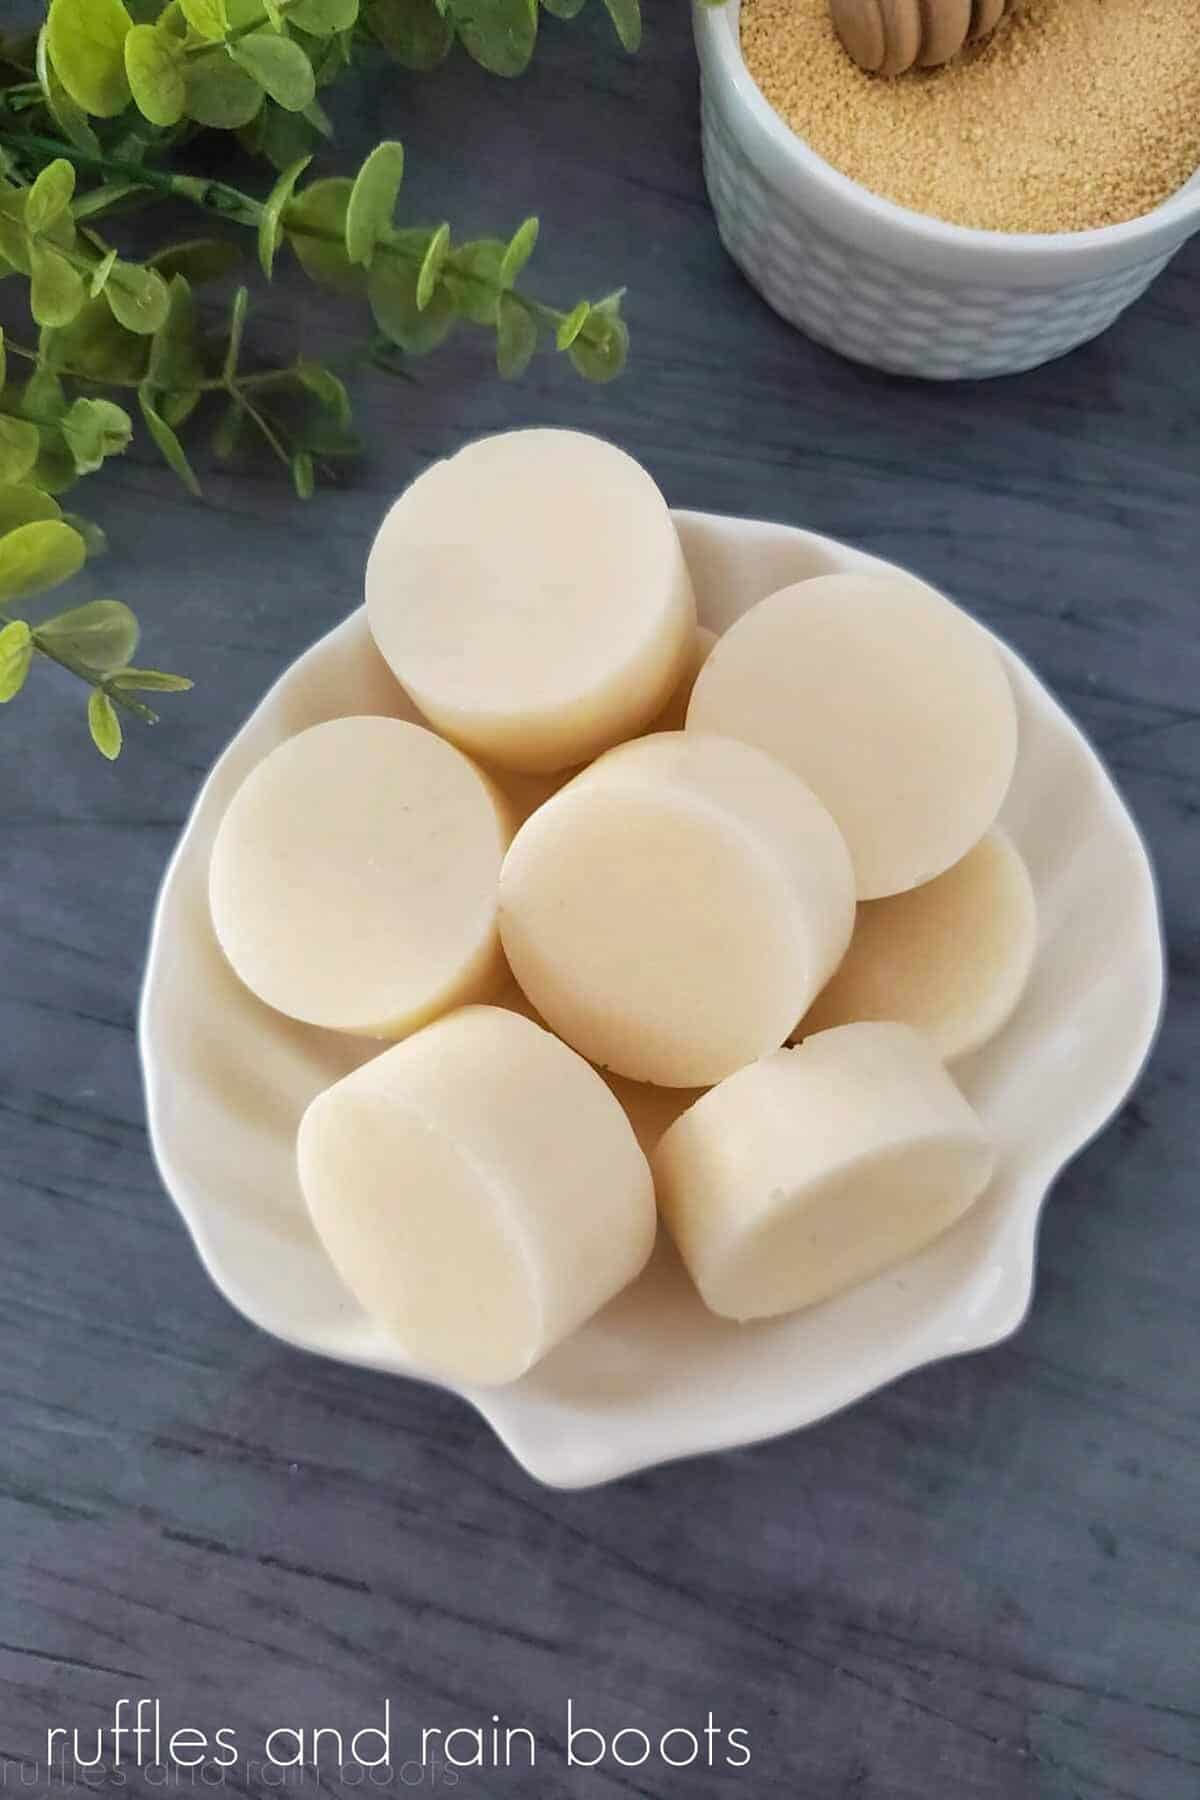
[(892, 287)]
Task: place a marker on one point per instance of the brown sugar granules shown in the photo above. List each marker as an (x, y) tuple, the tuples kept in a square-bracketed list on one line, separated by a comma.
[(1074, 113)]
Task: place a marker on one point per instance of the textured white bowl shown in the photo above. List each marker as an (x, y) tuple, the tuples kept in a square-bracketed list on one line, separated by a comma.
[(891, 287), (655, 1376)]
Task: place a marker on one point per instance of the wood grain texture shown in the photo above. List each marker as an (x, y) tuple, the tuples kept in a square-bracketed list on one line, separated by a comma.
[(982, 1584)]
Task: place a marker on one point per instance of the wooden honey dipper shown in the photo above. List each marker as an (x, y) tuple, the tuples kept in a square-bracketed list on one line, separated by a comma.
[(886, 37)]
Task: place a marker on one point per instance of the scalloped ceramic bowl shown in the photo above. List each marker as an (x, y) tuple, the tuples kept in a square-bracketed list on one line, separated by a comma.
[(655, 1376), (895, 288)]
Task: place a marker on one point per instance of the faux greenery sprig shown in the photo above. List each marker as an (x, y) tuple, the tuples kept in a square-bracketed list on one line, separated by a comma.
[(94, 112)]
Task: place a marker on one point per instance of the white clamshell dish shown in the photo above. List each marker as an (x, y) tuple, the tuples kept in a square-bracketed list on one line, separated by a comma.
[(655, 1376)]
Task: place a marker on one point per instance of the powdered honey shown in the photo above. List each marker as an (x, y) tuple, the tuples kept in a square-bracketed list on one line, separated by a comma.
[(1072, 114)]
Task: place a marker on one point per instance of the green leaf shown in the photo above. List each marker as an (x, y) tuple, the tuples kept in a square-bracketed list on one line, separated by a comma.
[(472, 279), (431, 267), (86, 41), (54, 469), (149, 681), (37, 556), (65, 112), (626, 16), (175, 363), (95, 429), (519, 251), (177, 408), (220, 94), (42, 397), (564, 9), (20, 443), (168, 18), (601, 352), (281, 137), (16, 654), (516, 338), (197, 259), (302, 474), (392, 292), (170, 446), (279, 65), (415, 32), (324, 17), (323, 206), (104, 724), (56, 292), (498, 34), (270, 225), (155, 70), (137, 297), (228, 432), (570, 327), (324, 438), (102, 635), (237, 327), (98, 346), (50, 195), (23, 504), (373, 200), (324, 385), (208, 18), (319, 119), (101, 273), (14, 239)]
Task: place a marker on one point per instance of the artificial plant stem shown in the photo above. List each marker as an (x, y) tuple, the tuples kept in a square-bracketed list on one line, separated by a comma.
[(210, 385), (260, 420), (243, 209), (85, 674), (214, 196)]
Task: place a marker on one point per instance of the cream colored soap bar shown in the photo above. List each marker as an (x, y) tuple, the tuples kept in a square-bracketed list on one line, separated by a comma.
[(673, 910), (951, 958), (531, 596), (354, 878), (887, 700), (480, 1192), (817, 1168)]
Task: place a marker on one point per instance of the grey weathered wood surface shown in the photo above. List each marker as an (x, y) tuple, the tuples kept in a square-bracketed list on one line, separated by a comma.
[(984, 1582)]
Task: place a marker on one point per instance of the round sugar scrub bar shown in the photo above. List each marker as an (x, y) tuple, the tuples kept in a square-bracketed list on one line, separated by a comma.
[(888, 700), (674, 910), (818, 1167), (951, 958), (354, 878), (479, 1191), (531, 596)]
